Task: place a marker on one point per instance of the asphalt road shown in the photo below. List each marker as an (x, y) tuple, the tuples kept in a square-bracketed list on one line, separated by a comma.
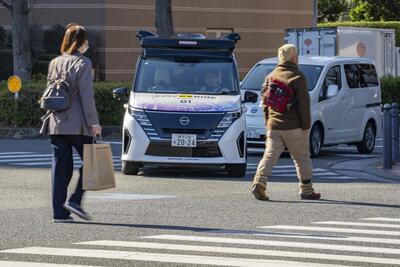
[(178, 218)]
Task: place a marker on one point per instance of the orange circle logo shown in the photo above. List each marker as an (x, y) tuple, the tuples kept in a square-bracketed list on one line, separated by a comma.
[(307, 42), (361, 49)]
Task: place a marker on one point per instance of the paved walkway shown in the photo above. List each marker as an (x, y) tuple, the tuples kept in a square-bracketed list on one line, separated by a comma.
[(370, 169)]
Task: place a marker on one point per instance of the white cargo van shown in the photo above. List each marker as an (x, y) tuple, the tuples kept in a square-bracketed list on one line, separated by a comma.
[(345, 99), (376, 44)]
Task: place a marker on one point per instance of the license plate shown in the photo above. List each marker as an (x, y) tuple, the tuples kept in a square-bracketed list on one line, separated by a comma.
[(184, 140), (254, 134)]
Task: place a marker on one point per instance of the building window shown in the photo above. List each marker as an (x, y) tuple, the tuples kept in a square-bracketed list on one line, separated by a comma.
[(217, 33)]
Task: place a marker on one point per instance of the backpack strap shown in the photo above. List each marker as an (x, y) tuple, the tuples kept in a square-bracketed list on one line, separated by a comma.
[(64, 74)]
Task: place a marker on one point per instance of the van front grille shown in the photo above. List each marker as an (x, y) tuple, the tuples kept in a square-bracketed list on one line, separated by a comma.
[(164, 149)]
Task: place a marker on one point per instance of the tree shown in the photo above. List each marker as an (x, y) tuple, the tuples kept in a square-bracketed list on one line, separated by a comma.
[(331, 10), (22, 61), (164, 25), (375, 10)]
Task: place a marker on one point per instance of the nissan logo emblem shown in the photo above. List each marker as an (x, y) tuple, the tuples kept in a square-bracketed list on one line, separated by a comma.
[(184, 121)]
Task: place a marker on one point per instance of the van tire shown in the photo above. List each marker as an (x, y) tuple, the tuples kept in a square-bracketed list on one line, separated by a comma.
[(367, 144), (130, 167), (236, 170), (316, 140)]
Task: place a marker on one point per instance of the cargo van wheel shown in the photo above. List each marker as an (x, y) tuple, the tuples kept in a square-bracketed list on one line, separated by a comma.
[(236, 170), (316, 138), (367, 144), (130, 167)]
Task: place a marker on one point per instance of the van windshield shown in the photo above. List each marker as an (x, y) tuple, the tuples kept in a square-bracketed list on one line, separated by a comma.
[(256, 77), (187, 75)]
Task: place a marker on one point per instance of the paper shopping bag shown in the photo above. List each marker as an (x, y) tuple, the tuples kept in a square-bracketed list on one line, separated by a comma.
[(98, 169)]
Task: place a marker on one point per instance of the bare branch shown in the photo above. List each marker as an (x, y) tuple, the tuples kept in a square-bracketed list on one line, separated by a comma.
[(5, 4)]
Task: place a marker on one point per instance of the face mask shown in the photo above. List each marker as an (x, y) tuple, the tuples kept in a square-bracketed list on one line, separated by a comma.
[(83, 48)]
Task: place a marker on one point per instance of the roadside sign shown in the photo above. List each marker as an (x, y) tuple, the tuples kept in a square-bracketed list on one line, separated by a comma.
[(14, 84)]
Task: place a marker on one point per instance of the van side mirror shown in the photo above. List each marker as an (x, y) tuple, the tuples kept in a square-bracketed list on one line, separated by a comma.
[(333, 90), (121, 94), (250, 97)]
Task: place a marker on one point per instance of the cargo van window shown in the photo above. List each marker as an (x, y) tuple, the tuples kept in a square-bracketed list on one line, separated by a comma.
[(333, 76), (369, 75), (353, 78), (361, 75)]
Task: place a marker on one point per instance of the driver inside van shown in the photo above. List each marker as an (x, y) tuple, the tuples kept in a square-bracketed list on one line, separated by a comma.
[(212, 83), (162, 78)]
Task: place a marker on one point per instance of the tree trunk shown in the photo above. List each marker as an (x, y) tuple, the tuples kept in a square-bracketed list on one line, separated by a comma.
[(164, 25), (21, 42)]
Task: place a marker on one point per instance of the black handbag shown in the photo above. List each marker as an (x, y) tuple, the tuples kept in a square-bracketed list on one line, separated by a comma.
[(56, 97)]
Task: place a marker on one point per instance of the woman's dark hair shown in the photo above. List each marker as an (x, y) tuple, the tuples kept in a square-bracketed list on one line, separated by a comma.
[(75, 36)]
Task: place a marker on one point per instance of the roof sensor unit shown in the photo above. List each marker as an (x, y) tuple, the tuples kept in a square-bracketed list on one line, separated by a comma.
[(142, 34), (232, 36)]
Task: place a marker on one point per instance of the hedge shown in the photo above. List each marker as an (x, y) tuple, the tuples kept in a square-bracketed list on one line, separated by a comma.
[(26, 112), (390, 89), (368, 24)]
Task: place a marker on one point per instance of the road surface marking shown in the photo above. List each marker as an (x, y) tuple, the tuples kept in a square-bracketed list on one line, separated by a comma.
[(383, 219), (38, 264), (382, 225), (332, 229), (157, 257), (241, 251), (320, 246)]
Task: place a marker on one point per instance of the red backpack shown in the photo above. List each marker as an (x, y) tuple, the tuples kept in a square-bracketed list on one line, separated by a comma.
[(279, 96)]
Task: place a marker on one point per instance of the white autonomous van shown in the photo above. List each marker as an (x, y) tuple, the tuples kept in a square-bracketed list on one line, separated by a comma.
[(345, 99), (185, 106)]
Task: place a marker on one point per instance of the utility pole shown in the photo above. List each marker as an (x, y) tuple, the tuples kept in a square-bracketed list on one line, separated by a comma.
[(315, 13), (164, 24)]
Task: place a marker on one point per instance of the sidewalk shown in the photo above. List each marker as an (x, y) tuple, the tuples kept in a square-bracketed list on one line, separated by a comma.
[(370, 169)]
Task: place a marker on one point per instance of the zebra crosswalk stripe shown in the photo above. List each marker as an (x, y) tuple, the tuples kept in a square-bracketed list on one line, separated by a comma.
[(32, 159), (382, 219), (241, 251), (157, 257), (37, 264), (381, 225), (316, 237), (333, 229), (16, 153), (319, 246)]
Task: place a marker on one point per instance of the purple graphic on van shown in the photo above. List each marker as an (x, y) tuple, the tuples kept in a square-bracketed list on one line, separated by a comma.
[(186, 103)]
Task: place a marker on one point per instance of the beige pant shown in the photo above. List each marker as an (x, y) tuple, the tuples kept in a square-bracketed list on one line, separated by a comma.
[(297, 142)]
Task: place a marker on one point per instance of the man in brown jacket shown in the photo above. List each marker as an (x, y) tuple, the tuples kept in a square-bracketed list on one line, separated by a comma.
[(289, 128)]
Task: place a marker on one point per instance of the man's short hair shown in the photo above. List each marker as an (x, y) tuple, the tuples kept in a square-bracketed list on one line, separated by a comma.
[(287, 52)]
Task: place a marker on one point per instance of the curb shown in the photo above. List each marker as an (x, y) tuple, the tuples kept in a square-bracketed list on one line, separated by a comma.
[(377, 169), (114, 132), (369, 168)]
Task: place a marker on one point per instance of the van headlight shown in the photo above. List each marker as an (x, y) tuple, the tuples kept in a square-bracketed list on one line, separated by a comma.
[(229, 118), (140, 116)]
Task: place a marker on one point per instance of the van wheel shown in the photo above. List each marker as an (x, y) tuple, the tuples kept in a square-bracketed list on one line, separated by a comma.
[(316, 138), (236, 170), (130, 167), (367, 144)]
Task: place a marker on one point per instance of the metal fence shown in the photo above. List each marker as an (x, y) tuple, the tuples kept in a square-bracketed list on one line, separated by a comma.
[(390, 135)]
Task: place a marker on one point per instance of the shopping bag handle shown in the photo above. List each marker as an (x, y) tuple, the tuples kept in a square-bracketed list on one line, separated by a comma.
[(96, 139)]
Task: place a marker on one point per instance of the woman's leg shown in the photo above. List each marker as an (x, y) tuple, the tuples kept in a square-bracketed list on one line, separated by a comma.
[(78, 141), (61, 173)]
